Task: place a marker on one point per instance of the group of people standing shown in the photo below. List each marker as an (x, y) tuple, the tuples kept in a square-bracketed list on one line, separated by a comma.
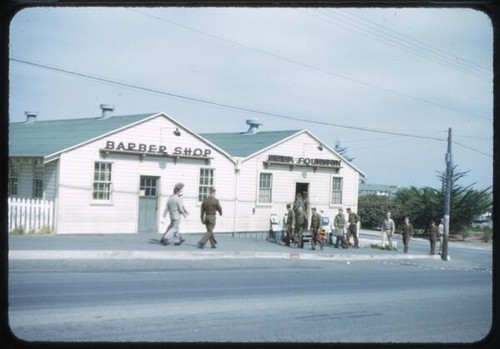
[(297, 223), (175, 208), (345, 226)]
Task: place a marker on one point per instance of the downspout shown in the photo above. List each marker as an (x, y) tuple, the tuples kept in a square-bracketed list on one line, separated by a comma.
[(236, 182)]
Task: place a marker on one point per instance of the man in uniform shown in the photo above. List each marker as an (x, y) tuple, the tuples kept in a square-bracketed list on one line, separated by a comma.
[(305, 200), (315, 226), (388, 229), (290, 224), (432, 232), (352, 230), (339, 223), (440, 235), (175, 208), (407, 232), (209, 207), (300, 226)]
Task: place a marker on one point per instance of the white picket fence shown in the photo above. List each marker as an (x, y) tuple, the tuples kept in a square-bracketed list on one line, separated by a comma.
[(31, 215)]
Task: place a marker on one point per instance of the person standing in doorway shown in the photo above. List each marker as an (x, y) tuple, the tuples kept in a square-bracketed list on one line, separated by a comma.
[(352, 230), (305, 200), (388, 228), (290, 224), (315, 226), (209, 207), (407, 233), (175, 208), (339, 224)]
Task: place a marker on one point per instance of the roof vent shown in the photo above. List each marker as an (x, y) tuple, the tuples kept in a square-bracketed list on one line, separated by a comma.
[(30, 116), (107, 110), (253, 126)]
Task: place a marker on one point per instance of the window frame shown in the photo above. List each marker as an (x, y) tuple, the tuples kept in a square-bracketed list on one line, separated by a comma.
[(13, 181), (334, 192), (268, 188), (204, 188), (38, 176), (106, 184)]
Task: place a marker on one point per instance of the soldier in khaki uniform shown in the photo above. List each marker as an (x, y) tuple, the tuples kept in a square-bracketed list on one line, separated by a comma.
[(315, 226), (290, 224), (209, 207), (407, 233), (352, 230), (300, 225)]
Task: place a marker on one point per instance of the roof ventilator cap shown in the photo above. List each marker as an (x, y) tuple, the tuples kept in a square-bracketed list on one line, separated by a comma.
[(253, 124), (107, 110), (30, 116)]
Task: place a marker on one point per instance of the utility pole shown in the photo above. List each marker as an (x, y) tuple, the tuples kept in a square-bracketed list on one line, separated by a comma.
[(447, 200)]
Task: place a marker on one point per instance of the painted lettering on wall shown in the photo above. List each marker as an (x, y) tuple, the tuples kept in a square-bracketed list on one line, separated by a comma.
[(303, 161), (156, 149)]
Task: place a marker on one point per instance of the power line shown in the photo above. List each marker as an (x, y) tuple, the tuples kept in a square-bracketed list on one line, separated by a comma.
[(219, 104), (305, 65), (472, 149), (393, 38)]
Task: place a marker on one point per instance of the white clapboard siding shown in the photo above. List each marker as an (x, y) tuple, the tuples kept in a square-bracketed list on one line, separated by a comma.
[(31, 215)]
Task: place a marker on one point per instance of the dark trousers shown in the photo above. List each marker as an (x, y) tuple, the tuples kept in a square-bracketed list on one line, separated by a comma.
[(352, 232), (432, 240), (209, 235), (406, 242)]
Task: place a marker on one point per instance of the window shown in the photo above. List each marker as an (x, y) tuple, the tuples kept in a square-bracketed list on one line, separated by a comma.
[(265, 188), (206, 182), (336, 191), (14, 170), (102, 181), (38, 180), (148, 184)]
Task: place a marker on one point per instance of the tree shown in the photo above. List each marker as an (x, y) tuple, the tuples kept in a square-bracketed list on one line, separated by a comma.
[(425, 204), (372, 210), (342, 151), (466, 203)]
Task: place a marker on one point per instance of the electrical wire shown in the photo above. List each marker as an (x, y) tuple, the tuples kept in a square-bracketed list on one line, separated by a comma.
[(230, 106), (311, 67), (219, 104)]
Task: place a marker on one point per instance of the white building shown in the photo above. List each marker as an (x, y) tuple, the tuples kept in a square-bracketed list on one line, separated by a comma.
[(113, 174)]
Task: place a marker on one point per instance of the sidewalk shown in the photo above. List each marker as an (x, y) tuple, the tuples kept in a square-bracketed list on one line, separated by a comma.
[(146, 246)]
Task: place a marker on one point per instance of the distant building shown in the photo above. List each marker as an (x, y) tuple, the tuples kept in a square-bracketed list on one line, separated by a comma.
[(114, 174), (378, 189)]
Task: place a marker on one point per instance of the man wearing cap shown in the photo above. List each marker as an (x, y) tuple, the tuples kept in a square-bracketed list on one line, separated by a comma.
[(352, 230), (209, 207), (315, 226), (339, 223), (175, 208)]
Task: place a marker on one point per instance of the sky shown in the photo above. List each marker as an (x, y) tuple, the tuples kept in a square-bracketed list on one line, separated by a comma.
[(387, 84)]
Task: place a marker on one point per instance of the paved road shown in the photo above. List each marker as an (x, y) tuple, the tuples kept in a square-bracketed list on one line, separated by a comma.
[(249, 301)]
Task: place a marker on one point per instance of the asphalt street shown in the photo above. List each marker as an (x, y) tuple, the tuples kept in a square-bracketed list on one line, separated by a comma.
[(255, 299)]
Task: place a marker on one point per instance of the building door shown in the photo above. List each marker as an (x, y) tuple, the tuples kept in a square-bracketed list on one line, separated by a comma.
[(148, 205), (301, 188)]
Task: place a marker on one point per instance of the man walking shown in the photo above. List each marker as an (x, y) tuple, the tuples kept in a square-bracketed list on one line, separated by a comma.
[(339, 223), (175, 208), (352, 220), (209, 207), (300, 226), (388, 229), (315, 226)]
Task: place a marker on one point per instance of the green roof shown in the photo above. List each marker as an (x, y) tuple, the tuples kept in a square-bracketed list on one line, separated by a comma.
[(43, 138), (243, 145)]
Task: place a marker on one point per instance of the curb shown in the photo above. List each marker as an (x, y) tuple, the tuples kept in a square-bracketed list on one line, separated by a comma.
[(200, 255)]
